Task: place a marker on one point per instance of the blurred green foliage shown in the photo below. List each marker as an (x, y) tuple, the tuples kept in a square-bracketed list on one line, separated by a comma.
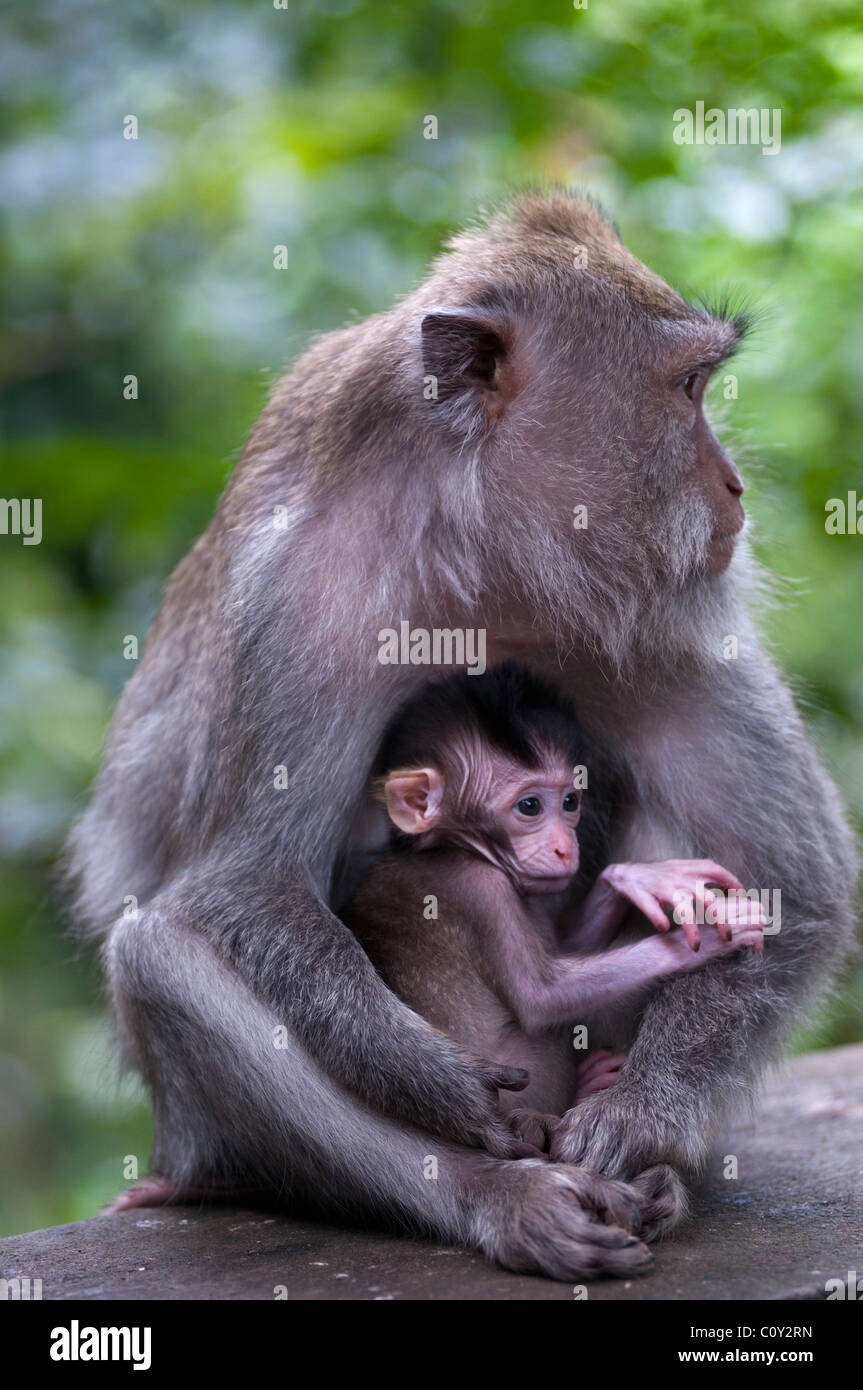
[(260, 126)]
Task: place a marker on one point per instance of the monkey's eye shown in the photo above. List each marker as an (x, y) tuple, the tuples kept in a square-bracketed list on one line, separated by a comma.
[(529, 806), (570, 803), (690, 384)]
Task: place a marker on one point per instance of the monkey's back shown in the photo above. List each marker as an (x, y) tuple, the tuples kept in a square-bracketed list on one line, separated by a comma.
[(408, 919)]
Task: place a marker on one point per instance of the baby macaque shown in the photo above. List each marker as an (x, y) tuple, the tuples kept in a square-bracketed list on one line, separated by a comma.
[(470, 929)]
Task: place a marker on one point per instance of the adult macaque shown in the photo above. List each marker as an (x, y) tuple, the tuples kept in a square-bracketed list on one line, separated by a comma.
[(427, 463), (478, 775)]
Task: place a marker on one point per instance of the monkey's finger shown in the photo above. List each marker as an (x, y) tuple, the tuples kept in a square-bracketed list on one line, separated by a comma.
[(710, 903), (500, 1141), (603, 1076), (521, 1148), (739, 916), (601, 1082), (650, 906), (533, 1128), (599, 1064), (505, 1078), (754, 939), (684, 915), (715, 873), (748, 913), (741, 934), (691, 932)]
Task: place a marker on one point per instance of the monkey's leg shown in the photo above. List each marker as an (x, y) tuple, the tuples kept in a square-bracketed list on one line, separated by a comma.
[(702, 1040), (238, 1101), (303, 963)]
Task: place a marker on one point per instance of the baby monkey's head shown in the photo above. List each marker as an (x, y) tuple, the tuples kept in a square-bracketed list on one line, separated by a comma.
[(486, 763)]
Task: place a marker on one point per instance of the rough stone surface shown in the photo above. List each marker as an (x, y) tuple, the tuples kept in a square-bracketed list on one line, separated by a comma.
[(792, 1219)]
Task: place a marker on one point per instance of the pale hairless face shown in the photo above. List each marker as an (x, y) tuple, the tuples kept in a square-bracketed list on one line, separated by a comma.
[(537, 810), (540, 812)]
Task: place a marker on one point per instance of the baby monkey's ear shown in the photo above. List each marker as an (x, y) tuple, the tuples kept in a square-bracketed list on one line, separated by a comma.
[(414, 799)]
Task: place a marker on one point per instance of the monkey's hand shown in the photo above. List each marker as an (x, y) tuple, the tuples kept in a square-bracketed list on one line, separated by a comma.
[(684, 887), (737, 924), (616, 1133), (597, 1072), (500, 1136)]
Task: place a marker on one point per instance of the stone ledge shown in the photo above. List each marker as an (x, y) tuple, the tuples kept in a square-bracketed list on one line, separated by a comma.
[(791, 1220)]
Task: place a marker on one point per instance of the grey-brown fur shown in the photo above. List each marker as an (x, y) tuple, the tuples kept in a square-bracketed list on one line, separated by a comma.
[(455, 513)]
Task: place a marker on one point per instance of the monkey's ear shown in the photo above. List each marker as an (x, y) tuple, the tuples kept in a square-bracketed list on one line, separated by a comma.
[(414, 799), (461, 353)]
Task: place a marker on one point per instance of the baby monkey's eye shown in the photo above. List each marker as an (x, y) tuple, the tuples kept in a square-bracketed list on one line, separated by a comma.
[(529, 806), (570, 803)]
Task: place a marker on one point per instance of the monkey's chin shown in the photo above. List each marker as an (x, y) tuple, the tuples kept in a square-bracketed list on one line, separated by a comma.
[(719, 552), (542, 886)]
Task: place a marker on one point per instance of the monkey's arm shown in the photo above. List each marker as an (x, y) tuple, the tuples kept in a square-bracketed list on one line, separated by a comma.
[(544, 990), (312, 972), (767, 810), (595, 921)]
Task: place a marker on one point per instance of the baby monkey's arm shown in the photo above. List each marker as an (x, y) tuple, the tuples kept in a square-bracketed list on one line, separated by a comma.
[(543, 990)]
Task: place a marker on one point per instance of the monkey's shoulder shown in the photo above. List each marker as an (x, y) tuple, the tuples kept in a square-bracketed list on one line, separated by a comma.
[(417, 916), (450, 891)]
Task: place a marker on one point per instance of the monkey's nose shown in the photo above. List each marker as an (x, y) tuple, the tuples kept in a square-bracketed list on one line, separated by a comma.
[(733, 480)]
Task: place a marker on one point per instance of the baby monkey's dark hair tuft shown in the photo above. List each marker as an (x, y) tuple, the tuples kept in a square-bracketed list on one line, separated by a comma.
[(507, 707)]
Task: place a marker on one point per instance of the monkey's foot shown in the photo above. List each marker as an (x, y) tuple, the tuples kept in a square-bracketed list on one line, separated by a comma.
[(562, 1222), (662, 1201), (162, 1192), (597, 1072)]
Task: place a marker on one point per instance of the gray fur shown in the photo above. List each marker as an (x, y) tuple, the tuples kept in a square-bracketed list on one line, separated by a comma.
[(264, 653)]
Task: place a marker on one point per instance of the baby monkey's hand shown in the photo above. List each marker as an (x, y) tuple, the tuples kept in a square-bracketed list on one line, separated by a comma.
[(683, 885)]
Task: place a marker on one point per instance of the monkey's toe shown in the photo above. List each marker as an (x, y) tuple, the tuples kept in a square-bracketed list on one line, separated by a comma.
[(149, 1192), (156, 1191)]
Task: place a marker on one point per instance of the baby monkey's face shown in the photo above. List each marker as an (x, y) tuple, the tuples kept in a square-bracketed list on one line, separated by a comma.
[(483, 801), (540, 813)]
